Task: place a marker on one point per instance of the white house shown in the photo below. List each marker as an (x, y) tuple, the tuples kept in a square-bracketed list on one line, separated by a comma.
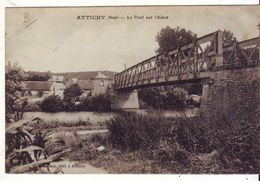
[(42, 89)]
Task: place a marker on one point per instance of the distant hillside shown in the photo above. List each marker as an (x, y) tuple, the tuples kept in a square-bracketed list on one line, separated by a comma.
[(85, 75)]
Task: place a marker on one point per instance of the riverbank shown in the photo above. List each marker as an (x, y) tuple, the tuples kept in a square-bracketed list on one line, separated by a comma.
[(99, 117)]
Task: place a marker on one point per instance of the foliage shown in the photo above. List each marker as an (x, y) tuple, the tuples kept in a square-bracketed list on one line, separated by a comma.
[(193, 134), (194, 89), (72, 93), (98, 103), (18, 144), (151, 96), (228, 38), (176, 97), (26, 147), (198, 145), (14, 91), (60, 123), (19, 107), (170, 38), (240, 150), (164, 97), (52, 103), (38, 76), (166, 152), (86, 104), (70, 107), (132, 131), (32, 107), (101, 103)]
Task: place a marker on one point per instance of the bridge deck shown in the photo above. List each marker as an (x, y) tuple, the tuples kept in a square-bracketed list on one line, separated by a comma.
[(190, 63)]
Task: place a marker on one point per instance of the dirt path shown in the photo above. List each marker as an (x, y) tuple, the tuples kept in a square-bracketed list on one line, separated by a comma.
[(73, 167)]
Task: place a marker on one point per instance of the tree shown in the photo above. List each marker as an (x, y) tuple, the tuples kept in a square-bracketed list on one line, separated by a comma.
[(38, 76), (72, 93), (15, 102), (52, 103), (170, 38), (152, 96), (176, 97), (228, 38), (19, 107)]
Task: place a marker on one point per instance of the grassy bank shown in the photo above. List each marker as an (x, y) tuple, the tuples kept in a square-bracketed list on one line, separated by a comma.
[(152, 144)]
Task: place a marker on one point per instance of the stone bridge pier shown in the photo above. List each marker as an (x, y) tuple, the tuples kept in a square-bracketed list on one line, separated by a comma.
[(233, 95), (125, 99)]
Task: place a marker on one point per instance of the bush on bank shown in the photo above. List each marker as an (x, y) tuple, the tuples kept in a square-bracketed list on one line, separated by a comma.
[(182, 139), (164, 97), (53, 103)]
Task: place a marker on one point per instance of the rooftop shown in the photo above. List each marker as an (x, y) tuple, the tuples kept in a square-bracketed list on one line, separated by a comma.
[(37, 85), (85, 84), (100, 76)]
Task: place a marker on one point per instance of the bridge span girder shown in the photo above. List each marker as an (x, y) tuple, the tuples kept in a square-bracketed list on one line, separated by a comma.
[(205, 78)]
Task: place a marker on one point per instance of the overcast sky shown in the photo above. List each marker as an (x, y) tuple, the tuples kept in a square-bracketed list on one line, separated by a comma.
[(42, 39)]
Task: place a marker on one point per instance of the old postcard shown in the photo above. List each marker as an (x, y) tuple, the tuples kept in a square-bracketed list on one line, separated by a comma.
[(120, 90)]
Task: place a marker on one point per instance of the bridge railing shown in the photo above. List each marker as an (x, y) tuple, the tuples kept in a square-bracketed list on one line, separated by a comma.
[(181, 63), (243, 53)]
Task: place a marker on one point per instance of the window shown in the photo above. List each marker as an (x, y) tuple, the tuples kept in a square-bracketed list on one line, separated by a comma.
[(102, 83)]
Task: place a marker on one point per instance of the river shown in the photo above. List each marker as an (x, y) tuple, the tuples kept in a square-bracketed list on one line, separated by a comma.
[(95, 117)]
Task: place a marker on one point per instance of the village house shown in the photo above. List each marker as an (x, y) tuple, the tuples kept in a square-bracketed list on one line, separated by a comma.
[(96, 85), (42, 89), (56, 78)]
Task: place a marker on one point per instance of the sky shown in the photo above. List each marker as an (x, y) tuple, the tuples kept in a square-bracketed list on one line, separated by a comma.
[(57, 40)]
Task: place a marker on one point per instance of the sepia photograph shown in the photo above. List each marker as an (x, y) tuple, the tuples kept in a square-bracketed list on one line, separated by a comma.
[(132, 90)]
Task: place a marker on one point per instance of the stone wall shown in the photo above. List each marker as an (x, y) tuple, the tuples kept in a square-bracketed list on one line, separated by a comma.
[(234, 95)]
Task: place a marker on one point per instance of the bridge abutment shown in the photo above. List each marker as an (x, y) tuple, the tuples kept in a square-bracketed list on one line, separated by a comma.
[(126, 100), (234, 95)]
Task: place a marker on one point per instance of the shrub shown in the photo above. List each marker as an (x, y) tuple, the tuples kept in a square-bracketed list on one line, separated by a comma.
[(130, 131), (151, 96), (70, 107), (101, 103), (60, 123), (194, 89), (240, 151), (194, 134), (206, 146), (85, 105), (164, 97), (32, 107), (24, 148), (177, 97), (72, 93), (167, 152), (52, 103)]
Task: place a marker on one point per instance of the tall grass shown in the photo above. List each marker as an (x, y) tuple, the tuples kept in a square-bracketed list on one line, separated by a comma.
[(235, 146), (130, 131), (59, 123)]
